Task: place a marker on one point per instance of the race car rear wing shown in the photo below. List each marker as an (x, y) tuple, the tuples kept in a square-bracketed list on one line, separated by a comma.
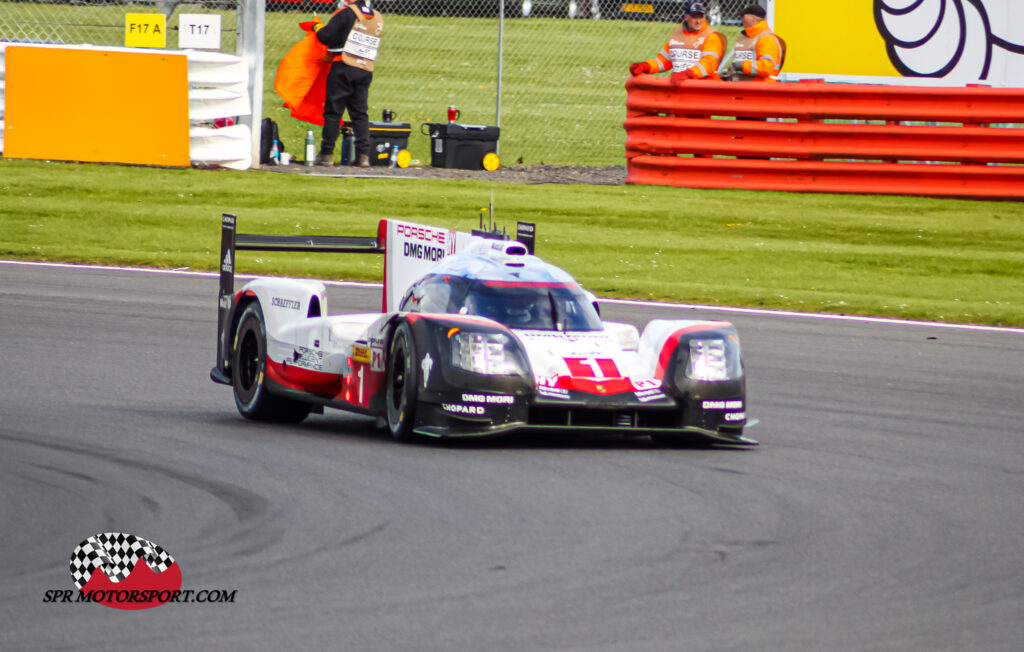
[(409, 249), (232, 241)]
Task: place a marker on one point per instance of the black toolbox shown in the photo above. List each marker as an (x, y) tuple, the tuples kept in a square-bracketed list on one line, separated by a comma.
[(383, 138), (460, 146)]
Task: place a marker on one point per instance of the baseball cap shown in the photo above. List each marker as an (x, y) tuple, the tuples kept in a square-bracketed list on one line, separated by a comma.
[(755, 10), (694, 8)]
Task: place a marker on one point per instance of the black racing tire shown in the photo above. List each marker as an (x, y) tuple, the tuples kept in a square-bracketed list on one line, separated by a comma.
[(249, 373), (402, 378)]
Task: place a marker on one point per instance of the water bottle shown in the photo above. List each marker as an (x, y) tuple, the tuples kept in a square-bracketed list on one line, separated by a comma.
[(346, 146), (394, 157), (310, 148), (275, 153)]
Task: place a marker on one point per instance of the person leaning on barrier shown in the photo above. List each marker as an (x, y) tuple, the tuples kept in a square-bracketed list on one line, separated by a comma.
[(693, 50), (352, 37), (759, 53)]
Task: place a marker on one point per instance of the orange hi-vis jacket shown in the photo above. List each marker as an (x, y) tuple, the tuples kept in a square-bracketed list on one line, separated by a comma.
[(700, 51), (762, 53), (360, 49)]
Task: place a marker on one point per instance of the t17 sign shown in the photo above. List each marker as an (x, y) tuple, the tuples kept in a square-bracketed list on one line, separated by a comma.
[(199, 31)]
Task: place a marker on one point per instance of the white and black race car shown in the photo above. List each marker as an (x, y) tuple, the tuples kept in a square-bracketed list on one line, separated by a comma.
[(477, 337)]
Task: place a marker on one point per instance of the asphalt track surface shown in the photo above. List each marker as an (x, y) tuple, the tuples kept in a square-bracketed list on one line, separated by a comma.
[(883, 510)]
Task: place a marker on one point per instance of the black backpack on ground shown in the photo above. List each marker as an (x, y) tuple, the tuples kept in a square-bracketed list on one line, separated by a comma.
[(268, 136)]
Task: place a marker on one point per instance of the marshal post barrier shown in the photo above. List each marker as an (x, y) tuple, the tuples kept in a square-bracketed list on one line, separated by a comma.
[(824, 137)]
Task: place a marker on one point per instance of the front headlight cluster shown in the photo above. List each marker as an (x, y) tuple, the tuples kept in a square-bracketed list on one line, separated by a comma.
[(713, 359), (493, 354)]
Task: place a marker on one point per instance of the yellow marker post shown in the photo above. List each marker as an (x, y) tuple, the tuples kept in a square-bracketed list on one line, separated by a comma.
[(145, 31)]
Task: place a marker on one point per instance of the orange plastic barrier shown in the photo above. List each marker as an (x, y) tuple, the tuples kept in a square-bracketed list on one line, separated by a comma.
[(685, 135)]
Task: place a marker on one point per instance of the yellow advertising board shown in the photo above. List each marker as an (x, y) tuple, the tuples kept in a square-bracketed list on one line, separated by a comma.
[(933, 42), (129, 107), (832, 38)]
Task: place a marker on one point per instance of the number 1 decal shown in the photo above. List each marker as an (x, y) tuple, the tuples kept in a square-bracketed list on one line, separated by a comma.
[(359, 384), (592, 368), (359, 374)]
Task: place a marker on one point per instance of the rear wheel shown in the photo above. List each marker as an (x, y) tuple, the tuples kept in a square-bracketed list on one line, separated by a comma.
[(402, 379), (249, 373)]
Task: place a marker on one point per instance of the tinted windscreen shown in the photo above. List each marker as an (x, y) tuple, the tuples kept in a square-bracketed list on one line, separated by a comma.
[(532, 307)]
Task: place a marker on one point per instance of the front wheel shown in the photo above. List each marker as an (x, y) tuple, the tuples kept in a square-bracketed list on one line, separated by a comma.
[(402, 379), (249, 373)]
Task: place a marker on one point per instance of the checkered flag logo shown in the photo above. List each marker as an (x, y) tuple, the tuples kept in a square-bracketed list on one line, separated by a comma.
[(115, 554)]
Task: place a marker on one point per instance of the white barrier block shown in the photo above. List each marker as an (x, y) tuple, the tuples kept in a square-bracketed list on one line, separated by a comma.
[(228, 147)]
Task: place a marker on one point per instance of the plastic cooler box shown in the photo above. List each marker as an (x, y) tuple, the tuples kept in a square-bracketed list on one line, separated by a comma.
[(460, 146), (383, 138)]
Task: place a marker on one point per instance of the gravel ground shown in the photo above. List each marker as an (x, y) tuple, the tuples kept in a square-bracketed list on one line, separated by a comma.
[(527, 174)]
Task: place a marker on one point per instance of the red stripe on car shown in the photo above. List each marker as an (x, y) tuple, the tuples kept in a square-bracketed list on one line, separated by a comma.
[(527, 284), (304, 380)]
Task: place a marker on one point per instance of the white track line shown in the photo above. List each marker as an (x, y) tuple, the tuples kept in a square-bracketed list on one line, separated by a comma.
[(623, 302), (816, 315), (179, 272)]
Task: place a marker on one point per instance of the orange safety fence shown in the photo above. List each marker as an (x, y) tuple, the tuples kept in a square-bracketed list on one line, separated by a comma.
[(799, 136)]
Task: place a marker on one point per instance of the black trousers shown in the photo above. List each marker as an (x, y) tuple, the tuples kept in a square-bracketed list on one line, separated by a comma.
[(348, 87)]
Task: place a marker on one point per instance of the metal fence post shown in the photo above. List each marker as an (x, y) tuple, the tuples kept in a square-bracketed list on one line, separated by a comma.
[(501, 45), (251, 23)]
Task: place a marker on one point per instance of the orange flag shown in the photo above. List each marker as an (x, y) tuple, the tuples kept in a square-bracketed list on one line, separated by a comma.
[(301, 78)]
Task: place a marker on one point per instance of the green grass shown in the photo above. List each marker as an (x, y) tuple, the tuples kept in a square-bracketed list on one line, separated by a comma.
[(563, 95), (946, 260)]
